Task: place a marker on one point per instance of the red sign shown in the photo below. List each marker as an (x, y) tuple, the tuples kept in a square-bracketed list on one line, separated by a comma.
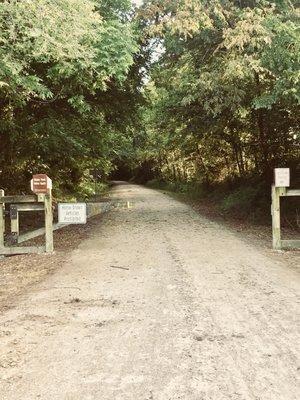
[(41, 184)]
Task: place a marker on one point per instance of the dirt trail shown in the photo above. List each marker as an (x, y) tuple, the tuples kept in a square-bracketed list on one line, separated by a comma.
[(158, 304)]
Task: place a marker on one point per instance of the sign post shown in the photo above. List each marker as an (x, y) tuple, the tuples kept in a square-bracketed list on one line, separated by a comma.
[(41, 200), (280, 189), (282, 181), (41, 185), (276, 217), (49, 222)]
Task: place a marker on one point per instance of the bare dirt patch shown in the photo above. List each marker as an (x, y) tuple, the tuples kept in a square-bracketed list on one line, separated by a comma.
[(19, 273), (258, 235), (160, 303)]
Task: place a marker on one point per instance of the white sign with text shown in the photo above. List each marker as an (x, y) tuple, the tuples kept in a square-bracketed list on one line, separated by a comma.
[(72, 213), (282, 177)]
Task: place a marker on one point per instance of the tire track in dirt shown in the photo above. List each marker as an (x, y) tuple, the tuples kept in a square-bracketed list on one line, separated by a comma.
[(158, 304)]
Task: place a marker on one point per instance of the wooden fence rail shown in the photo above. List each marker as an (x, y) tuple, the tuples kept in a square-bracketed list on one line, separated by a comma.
[(278, 243)]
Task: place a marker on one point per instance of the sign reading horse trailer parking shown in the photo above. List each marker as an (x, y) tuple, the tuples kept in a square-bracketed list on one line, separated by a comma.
[(72, 213)]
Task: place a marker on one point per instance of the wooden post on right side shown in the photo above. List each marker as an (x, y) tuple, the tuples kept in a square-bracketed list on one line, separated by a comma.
[(276, 217), (2, 220)]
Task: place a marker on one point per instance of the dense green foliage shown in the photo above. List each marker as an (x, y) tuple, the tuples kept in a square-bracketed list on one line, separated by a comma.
[(64, 69), (225, 92), (180, 90)]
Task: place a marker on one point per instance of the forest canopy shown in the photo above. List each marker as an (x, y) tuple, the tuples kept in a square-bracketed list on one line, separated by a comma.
[(65, 67), (177, 90), (225, 93)]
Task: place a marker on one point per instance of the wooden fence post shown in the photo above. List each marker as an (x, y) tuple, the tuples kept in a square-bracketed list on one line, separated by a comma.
[(276, 193), (14, 223), (49, 222), (2, 220)]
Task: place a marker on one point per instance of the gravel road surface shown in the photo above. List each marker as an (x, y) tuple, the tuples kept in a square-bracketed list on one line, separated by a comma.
[(158, 303)]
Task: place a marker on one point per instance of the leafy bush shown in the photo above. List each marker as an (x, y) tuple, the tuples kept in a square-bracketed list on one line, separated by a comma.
[(242, 201)]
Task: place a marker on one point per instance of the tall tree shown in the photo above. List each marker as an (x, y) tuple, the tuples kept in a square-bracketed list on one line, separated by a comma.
[(226, 88), (58, 58)]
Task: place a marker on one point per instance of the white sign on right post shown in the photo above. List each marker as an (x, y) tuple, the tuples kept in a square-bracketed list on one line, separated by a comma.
[(282, 177)]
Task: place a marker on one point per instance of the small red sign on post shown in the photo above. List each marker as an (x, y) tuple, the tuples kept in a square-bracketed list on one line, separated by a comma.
[(41, 184)]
